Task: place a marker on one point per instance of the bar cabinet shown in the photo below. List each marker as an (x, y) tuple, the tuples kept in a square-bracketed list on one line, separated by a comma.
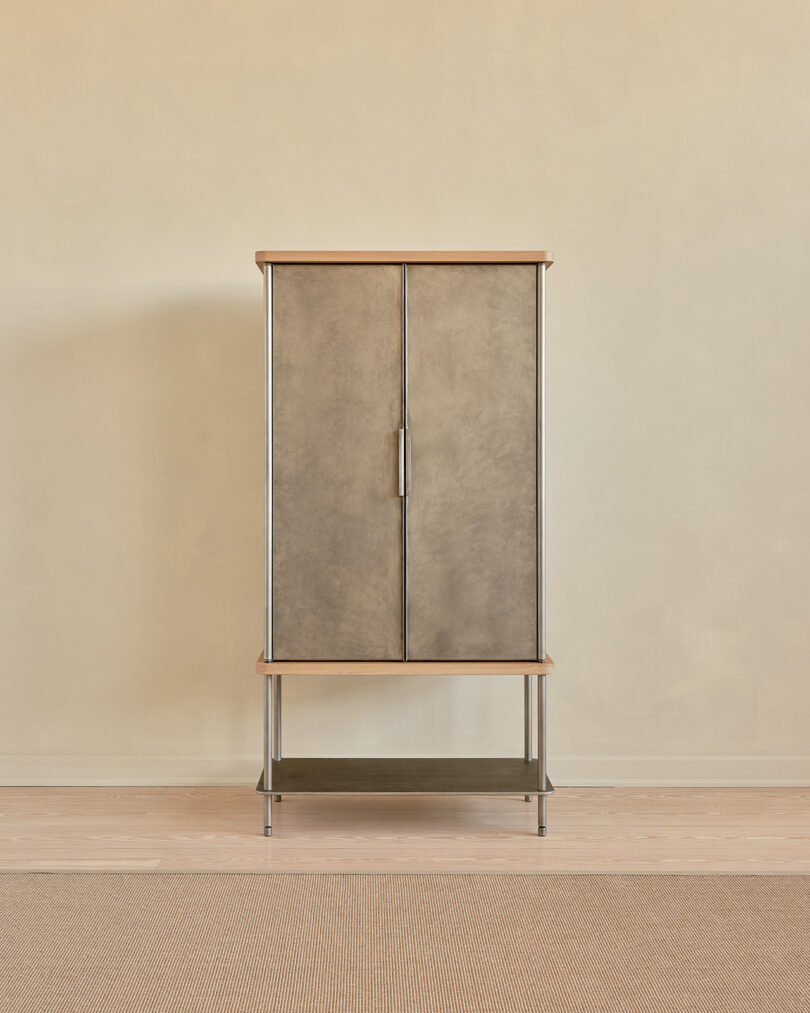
[(405, 495)]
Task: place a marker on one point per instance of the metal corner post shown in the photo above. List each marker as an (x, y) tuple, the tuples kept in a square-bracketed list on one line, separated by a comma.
[(542, 773), (270, 704), (268, 462), (528, 744), (267, 774), (277, 723), (406, 464), (541, 462)]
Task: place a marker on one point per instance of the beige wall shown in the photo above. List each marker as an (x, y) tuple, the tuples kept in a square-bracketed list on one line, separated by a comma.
[(663, 152)]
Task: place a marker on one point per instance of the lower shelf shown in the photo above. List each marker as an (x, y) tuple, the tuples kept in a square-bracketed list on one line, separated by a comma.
[(405, 776)]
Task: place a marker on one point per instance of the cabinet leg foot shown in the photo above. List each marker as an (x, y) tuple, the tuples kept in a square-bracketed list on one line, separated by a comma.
[(268, 815), (541, 815), (542, 782), (277, 798), (528, 798)]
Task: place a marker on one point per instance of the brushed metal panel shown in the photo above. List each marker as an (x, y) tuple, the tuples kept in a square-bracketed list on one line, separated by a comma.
[(472, 534), (337, 566)]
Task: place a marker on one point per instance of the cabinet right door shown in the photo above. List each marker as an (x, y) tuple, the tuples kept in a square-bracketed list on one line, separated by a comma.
[(471, 568)]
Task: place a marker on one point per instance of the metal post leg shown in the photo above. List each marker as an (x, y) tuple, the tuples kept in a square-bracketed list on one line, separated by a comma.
[(541, 754), (268, 756), (527, 724), (268, 544), (268, 815), (277, 723)]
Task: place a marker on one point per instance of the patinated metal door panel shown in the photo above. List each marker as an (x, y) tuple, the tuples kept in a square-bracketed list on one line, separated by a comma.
[(471, 528), (337, 516)]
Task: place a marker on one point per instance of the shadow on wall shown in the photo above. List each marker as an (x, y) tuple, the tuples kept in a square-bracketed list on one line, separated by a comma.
[(135, 532)]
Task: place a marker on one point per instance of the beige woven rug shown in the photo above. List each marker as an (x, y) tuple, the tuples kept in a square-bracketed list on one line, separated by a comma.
[(299, 943)]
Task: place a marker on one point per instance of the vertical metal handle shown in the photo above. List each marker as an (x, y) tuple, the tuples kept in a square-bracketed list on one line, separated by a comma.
[(401, 462), (404, 462)]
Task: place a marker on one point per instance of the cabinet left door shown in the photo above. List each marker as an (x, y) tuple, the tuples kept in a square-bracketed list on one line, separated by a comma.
[(337, 560)]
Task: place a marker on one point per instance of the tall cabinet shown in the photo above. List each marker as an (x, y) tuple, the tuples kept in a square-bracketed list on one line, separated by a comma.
[(405, 495)]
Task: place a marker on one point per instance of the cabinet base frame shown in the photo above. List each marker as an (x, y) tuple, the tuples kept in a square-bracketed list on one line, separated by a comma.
[(403, 775)]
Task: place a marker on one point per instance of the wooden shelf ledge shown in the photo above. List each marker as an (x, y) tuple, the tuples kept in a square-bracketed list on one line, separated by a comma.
[(404, 667), (404, 776), (404, 257)]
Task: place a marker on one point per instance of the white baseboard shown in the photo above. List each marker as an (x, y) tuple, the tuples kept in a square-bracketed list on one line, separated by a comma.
[(686, 770), (151, 770), (620, 771)]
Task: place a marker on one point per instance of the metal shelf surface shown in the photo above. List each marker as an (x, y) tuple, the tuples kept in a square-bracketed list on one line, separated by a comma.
[(404, 776)]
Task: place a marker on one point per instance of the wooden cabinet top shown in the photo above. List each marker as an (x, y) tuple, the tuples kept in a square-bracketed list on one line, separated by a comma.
[(404, 257)]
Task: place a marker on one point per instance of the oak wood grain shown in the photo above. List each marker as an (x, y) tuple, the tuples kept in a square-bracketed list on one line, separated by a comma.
[(404, 257), (664, 830), (404, 667)]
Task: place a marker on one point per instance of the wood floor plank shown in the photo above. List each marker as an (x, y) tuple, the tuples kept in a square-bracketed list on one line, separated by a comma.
[(590, 829)]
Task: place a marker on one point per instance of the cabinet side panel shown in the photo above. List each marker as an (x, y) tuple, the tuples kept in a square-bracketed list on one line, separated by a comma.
[(337, 527), (472, 532)]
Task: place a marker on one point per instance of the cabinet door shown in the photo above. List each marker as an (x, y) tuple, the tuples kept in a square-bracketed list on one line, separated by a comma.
[(471, 520), (337, 516)]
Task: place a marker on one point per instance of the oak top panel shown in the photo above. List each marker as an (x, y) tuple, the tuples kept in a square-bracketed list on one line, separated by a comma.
[(404, 667), (404, 257)]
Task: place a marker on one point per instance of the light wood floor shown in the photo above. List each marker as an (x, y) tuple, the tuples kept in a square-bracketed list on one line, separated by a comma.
[(590, 829)]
